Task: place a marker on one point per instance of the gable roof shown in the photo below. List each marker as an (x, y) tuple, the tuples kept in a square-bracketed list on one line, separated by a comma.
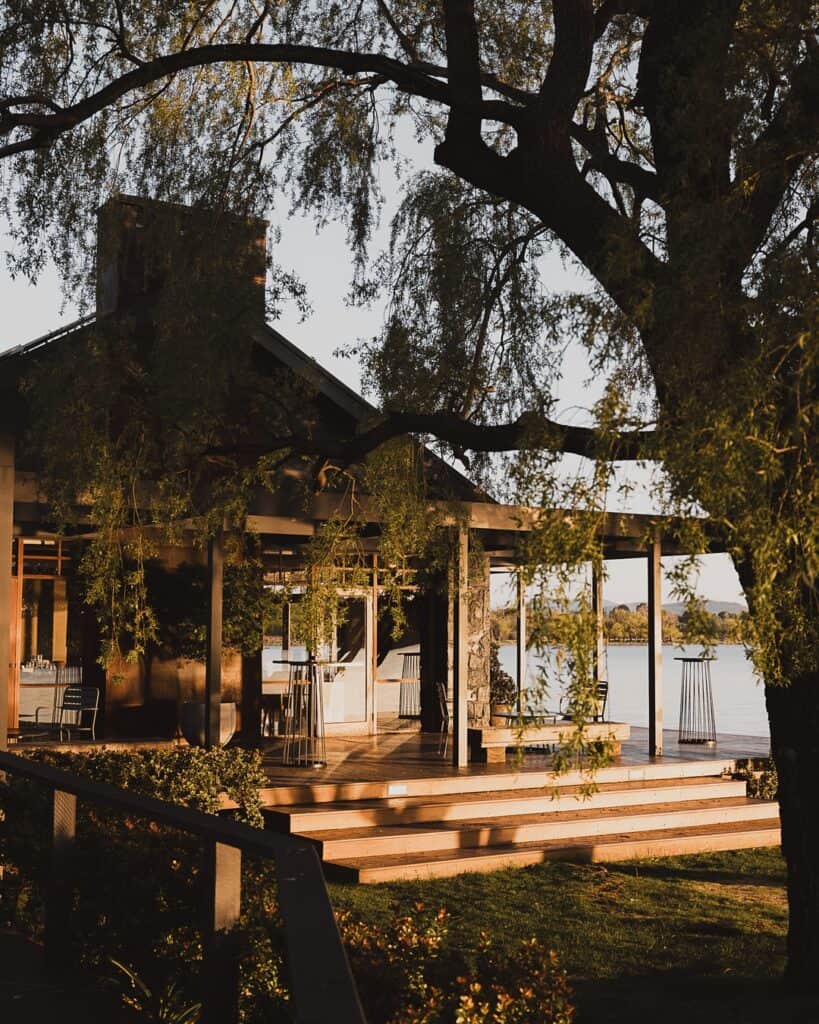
[(313, 372), (285, 352)]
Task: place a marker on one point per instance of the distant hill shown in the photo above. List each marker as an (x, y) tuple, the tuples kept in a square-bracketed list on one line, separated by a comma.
[(677, 607), (715, 607)]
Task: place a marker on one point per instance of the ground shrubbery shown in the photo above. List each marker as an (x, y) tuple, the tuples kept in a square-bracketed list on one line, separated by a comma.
[(191, 776), (407, 976), (137, 887)]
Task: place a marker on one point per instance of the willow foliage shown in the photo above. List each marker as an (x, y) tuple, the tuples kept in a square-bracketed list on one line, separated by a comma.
[(667, 150)]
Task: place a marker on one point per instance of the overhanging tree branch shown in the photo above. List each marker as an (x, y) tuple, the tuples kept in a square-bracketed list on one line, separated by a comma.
[(46, 126), (643, 181), (529, 431)]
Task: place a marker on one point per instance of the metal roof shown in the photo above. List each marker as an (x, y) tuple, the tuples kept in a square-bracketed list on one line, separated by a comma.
[(47, 339)]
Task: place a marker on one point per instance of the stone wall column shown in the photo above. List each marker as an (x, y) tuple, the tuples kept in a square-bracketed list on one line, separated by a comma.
[(599, 656), (479, 638)]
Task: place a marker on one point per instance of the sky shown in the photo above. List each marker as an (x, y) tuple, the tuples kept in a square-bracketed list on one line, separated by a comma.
[(323, 261)]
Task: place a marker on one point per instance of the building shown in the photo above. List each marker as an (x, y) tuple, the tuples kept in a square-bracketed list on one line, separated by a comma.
[(147, 257)]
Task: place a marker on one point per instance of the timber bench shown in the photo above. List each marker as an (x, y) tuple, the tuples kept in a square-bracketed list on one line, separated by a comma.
[(490, 743)]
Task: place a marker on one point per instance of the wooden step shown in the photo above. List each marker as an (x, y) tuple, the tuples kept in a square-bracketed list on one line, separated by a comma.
[(401, 811), (482, 780), (627, 846), (503, 831)]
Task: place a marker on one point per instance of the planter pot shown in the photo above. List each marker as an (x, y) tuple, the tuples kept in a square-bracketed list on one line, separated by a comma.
[(496, 711), (192, 722)]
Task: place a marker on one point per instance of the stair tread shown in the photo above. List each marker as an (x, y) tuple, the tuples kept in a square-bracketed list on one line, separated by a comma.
[(509, 821), (509, 850), (444, 799), (477, 780)]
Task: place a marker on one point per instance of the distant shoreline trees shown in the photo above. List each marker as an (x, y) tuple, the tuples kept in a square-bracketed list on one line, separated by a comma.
[(625, 625)]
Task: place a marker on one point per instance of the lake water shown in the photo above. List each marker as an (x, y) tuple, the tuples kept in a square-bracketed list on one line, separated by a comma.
[(739, 700)]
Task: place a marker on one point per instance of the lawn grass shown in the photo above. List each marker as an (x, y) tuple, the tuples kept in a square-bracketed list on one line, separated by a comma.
[(697, 938)]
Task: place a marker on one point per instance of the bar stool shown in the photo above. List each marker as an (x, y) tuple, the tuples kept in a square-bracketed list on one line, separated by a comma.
[(697, 722), (409, 696), (304, 738)]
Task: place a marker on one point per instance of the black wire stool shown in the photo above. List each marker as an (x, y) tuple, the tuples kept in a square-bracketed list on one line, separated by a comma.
[(697, 723)]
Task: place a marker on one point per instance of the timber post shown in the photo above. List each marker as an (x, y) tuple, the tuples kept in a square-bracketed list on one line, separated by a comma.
[(521, 642), (655, 647), (213, 668), (58, 886), (371, 650), (461, 673), (6, 542), (220, 962)]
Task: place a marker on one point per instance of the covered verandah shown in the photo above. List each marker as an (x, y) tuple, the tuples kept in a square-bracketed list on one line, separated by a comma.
[(453, 625), (453, 634)]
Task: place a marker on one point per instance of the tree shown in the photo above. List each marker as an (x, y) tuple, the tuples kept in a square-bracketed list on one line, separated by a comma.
[(668, 149)]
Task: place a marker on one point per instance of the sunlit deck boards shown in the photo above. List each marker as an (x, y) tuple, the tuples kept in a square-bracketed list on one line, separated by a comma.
[(409, 754)]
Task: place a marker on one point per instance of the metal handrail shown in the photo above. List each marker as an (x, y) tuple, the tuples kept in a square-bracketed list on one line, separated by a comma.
[(322, 984)]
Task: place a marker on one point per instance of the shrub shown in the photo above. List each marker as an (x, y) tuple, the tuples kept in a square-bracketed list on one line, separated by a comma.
[(191, 776), (138, 886), (406, 975), (760, 777)]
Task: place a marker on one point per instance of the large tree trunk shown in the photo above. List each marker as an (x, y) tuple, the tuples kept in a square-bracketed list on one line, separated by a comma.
[(793, 711)]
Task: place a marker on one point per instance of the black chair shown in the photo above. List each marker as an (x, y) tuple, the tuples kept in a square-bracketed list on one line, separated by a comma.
[(67, 675), (602, 699), (77, 701), (600, 703), (272, 713), (446, 717)]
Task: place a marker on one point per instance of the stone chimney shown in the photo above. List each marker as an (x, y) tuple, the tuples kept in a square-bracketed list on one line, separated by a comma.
[(149, 250)]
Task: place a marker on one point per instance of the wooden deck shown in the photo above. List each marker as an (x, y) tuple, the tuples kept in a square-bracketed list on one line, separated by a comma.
[(410, 754), (391, 807)]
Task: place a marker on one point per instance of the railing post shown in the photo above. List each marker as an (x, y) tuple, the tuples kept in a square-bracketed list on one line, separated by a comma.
[(323, 987), (220, 964), (59, 888)]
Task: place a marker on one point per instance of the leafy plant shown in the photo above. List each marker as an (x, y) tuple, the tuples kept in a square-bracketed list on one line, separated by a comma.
[(192, 776), (760, 775), (502, 687), (405, 977), (168, 1005)]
